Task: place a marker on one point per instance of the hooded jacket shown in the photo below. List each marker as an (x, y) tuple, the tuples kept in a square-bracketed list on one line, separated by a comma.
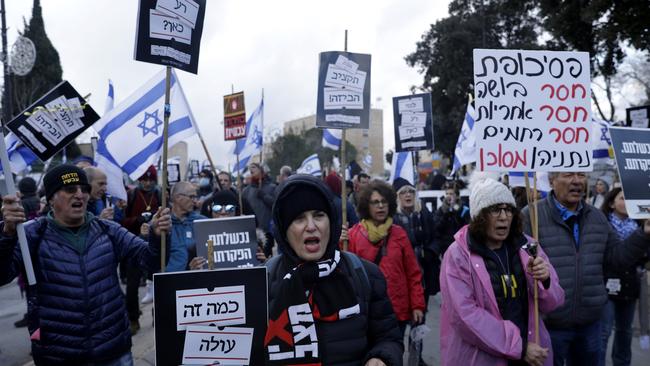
[(472, 331), (352, 341)]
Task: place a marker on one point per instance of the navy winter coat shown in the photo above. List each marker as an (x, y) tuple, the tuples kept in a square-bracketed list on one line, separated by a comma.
[(77, 303)]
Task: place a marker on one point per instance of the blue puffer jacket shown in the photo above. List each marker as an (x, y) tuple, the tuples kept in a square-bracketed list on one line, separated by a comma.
[(77, 302)]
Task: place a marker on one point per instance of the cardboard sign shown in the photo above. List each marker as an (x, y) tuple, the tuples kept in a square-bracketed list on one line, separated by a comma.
[(638, 117), (343, 90), (413, 123), (632, 151), (234, 116), (53, 121), (169, 33), (192, 307), (533, 110), (233, 238)]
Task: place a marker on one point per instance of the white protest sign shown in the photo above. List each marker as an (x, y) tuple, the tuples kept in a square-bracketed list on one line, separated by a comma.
[(222, 306), (211, 345), (165, 26), (340, 98), (42, 122), (185, 10), (62, 114), (533, 110), (414, 119), (410, 105)]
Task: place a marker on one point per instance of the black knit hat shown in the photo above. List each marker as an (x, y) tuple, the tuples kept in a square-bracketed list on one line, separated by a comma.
[(399, 183), (27, 186), (300, 198), (61, 176)]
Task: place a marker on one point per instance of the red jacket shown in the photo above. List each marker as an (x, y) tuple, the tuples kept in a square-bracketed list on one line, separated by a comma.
[(399, 266)]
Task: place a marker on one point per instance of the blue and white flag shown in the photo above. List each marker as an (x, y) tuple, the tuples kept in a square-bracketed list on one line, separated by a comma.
[(310, 166), (402, 167), (110, 98), (131, 134), (517, 179), (332, 138), (465, 152), (602, 142), (20, 156), (254, 141)]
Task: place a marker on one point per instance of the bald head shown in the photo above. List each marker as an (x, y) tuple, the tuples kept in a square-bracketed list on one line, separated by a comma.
[(97, 180)]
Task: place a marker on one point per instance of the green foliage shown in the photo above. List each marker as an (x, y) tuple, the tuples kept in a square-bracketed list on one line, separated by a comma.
[(292, 149)]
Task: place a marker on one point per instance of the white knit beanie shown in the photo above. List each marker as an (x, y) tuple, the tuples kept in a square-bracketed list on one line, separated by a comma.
[(487, 191)]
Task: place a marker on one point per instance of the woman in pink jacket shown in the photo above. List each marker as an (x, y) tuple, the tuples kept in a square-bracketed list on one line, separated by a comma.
[(486, 282)]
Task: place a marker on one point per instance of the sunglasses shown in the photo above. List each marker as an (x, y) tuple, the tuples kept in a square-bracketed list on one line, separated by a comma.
[(226, 208), (72, 189)]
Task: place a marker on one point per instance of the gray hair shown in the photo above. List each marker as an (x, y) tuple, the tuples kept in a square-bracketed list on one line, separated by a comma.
[(181, 187), (92, 173)]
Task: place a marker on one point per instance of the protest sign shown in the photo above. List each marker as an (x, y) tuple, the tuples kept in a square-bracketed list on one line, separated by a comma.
[(169, 33), (343, 90), (413, 124), (234, 116), (233, 238), (638, 117), (191, 309), (173, 173), (533, 110), (53, 121), (632, 151)]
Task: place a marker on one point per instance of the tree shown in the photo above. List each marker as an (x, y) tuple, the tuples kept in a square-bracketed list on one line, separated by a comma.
[(444, 55), (292, 149)]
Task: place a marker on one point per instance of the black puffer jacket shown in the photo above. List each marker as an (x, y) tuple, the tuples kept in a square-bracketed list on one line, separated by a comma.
[(351, 341), (581, 271)]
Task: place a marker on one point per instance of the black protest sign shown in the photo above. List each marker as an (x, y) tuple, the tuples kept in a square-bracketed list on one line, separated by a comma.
[(632, 151), (53, 121), (413, 124), (169, 33), (233, 239), (173, 173), (638, 117), (191, 308), (343, 90)]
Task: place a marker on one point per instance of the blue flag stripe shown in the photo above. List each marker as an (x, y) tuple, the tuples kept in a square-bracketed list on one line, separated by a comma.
[(136, 108), (470, 120), (401, 159), (331, 139)]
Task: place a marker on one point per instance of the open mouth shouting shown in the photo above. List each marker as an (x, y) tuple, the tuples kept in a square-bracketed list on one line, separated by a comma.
[(312, 244)]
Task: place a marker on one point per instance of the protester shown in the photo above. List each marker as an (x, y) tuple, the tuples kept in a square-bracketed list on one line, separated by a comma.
[(343, 296), (359, 183), (285, 173), (333, 182), (183, 198), (206, 183), (623, 285), (598, 192), (487, 315), (225, 180), (260, 195), (450, 217), (99, 204), (580, 244), (76, 312), (142, 202), (378, 240)]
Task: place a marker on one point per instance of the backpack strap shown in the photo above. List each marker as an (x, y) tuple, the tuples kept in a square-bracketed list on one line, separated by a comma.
[(361, 281)]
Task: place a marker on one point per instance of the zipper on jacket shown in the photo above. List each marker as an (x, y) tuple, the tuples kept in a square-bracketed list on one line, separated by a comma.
[(82, 266)]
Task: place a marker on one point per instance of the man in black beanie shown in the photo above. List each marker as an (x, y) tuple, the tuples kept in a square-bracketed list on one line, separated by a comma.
[(76, 311)]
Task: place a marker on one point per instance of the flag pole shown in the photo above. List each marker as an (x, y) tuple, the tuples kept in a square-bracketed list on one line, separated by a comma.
[(20, 229), (344, 198), (239, 170), (163, 205), (532, 204), (262, 147)]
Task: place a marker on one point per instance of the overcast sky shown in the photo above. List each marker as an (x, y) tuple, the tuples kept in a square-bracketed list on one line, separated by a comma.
[(252, 44)]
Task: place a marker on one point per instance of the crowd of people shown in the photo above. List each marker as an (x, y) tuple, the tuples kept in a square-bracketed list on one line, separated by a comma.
[(362, 283)]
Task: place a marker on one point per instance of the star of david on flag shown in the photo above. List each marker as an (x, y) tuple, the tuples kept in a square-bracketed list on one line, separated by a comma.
[(310, 166), (131, 134), (254, 140), (465, 152)]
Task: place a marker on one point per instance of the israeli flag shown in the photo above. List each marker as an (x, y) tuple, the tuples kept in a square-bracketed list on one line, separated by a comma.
[(367, 160), (20, 156), (602, 141), (332, 138), (131, 135), (254, 140), (402, 167), (110, 98), (518, 179), (465, 152), (310, 166)]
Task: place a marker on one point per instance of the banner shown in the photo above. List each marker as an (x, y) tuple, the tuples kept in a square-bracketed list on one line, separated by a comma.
[(413, 123), (234, 116), (343, 90), (53, 121), (169, 33), (533, 110), (233, 238), (190, 305), (638, 117), (632, 152)]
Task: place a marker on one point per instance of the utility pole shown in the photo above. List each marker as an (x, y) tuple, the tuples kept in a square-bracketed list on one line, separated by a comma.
[(6, 95)]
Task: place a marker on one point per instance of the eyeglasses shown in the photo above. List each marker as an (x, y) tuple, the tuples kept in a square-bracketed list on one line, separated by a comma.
[(495, 211), (73, 189), (406, 191), (226, 208), (377, 203), (190, 196)]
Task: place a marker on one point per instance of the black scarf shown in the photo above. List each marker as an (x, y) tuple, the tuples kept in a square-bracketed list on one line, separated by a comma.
[(292, 337)]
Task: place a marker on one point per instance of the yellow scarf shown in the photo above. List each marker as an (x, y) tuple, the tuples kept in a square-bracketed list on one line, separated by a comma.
[(377, 233)]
